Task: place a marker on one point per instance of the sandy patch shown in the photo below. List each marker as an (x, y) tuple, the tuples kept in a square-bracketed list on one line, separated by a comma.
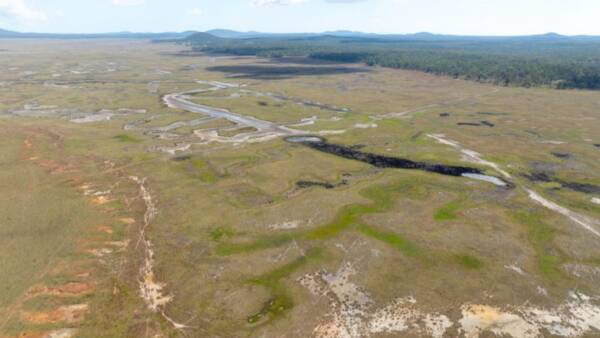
[(105, 229), (553, 142), (353, 313), (585, 222), (60, 333), (365, 125), (151, 290), (99, 252), (468, 155), (285, 225), (100, 200), (127, 220)]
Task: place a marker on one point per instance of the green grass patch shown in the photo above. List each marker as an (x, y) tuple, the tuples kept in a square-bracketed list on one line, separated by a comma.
[(382, 198), (272, 309), (280, 301), (541, 237), (344, 219), (219, 233), (392, 239), (468, 261), (448, 211), (126, 138), (201, 170)]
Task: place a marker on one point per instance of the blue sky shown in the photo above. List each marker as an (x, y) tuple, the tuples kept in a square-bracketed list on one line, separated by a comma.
[(476, 17)]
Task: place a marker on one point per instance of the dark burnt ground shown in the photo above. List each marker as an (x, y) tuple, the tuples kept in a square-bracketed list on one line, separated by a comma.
[(266, 72), (492, 113), (561, 155), (326, 185), (581, 187), (382, 161), (575, 186), (477, 124), (181, 158)]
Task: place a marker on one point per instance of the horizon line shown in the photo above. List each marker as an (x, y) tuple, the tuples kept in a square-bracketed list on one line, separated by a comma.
[(295, 33)]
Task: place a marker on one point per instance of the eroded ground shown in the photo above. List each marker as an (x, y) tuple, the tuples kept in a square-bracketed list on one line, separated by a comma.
[(151, 193)]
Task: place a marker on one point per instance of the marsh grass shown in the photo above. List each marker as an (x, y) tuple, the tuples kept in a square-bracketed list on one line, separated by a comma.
[(219, 233), (126, 138), (280, 300), (449, 211), (382, 199), (541, 238), (468, 261)]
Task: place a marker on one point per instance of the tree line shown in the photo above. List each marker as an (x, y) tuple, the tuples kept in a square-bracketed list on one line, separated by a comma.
[(555, 63)]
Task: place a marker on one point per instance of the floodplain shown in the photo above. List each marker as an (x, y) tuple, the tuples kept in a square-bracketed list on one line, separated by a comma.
[(147, 192)]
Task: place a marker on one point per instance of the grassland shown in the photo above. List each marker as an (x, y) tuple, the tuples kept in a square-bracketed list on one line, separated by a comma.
[(235, 239)]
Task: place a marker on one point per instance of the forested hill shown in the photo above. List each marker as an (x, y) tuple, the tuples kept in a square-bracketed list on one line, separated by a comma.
[(549, 60)]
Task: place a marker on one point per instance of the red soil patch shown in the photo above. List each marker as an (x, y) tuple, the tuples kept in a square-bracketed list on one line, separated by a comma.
[(82, 274), (67, 314), (27, 144), (34, 335), (105, 229), (67, 290), (55, 167), (127, 220)]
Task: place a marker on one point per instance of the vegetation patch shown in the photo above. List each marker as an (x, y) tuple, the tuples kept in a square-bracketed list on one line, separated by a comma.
[(261, 243), (280, 300), (538, 62), (541, 237), (448, 211), (349, 217), (219, 233), (392, 239), (202, 170), (126, 138), (468, 261)]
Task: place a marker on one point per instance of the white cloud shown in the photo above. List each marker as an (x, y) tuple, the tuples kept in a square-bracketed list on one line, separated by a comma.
[(344, 1), (127, 2), (278, 2), (19, 10), (195, 12)]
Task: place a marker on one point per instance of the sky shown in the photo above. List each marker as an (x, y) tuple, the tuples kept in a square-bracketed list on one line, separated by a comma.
[(464, 17)]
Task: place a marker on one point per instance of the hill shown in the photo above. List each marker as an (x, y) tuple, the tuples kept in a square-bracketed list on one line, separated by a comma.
[(6, 34)]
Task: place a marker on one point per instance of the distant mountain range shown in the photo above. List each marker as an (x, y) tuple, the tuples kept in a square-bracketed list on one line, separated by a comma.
[(422, 36), (231, 34), (5, 34)]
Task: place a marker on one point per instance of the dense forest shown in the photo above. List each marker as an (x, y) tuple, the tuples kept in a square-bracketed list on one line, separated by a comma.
[(545, 60)]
